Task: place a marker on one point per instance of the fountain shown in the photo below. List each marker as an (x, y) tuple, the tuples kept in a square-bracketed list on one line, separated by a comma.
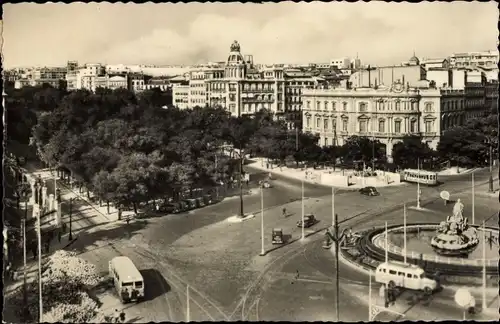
[(455, 237)]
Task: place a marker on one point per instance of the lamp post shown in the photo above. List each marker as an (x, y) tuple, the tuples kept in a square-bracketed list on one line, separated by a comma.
[(418, 184), (25, 287), (70, 237), (241, 183), (491, 168), (303, 210), (262, 250)]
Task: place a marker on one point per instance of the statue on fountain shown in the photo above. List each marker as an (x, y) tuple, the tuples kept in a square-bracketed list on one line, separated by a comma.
[(455, 237)]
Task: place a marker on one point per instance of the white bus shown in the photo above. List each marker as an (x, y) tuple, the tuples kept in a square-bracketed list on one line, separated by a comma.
[(410, 276), (128, 280), (421, 176)]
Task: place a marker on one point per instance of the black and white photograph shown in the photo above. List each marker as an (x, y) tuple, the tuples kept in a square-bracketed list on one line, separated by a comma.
[(272, 161)]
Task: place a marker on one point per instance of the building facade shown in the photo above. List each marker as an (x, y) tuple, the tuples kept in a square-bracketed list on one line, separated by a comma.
[(386, 114), (487, 59), (180, 96), (197, 88)]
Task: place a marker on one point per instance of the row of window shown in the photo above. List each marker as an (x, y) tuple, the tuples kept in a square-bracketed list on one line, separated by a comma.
[(363, 125), (198, 93), (198, 101), (196, 85), (362, 106), (257, 86)]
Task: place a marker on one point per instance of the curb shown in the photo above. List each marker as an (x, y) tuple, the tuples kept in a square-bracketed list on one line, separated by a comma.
[(316, 183)]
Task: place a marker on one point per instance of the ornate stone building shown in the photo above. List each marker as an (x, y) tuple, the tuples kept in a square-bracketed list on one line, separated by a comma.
[(386, 114)]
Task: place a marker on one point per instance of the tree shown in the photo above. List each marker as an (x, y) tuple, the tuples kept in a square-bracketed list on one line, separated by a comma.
[(66, 283), (462, 146), (363, 149), (407, 152)]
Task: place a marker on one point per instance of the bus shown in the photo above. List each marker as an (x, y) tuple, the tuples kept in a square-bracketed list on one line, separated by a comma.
[(420, 176), (127, 279), (410, 276)]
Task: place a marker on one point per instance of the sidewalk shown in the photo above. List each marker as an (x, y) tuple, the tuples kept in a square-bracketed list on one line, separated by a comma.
[(84, 216), (328, 177)]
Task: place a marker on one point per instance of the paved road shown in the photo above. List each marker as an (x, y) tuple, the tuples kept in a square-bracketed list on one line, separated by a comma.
[(219, 261)]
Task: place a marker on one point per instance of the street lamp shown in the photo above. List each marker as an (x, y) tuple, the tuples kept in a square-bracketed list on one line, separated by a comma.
[(418, 184), (70, 237), (262, 249), (491, 168)]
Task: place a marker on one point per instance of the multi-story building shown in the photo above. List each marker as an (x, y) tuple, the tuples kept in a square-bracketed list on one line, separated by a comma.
[(242, 89), (180, 96), (137, 81), (487, 59), (295, 81), (386, 114), (40, 76), (388, 111), (197, 88), (91, 76), (71, 75)]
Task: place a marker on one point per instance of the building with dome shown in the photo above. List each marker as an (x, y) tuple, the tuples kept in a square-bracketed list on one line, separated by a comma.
[(244, 88)]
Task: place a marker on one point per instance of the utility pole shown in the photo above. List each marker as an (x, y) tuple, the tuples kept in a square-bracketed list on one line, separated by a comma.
[(418, 184), (485, 305), (491, 169), (188, 315), (241, 183), (333, 206), (303, 236), (25, 287), (262, 250), (70, 219), (473, 201), (39, 226), (337, 249), (216, 178), (404, 234)]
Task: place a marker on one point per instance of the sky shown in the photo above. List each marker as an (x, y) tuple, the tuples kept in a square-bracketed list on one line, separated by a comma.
[(378, 32)]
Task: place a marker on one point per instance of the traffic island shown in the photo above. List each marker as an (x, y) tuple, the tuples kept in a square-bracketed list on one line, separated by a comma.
[(239, 219), (365, 252)]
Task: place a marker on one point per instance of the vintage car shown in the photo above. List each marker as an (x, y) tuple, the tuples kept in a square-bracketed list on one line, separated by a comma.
[(173, 208), (200, 202), (207, 199), (309, 220), (190, 203), (369, 191), (277, 236)]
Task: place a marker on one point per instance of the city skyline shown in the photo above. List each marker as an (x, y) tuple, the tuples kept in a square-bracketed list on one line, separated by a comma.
[(380, 33)]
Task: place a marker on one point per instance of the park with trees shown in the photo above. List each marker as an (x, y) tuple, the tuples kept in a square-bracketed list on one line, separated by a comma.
[(130, 148)]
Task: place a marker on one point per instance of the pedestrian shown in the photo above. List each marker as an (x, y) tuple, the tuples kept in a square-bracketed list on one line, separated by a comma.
[(122, 316), (284, 212), (59, 235), (64, 227), (248, 181), (128, 220)]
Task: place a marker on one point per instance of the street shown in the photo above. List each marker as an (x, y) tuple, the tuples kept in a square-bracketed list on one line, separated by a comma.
[(219, 260)]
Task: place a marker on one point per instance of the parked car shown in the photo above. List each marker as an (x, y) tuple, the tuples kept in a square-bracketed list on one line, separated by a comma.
[(369, 191), (199, 202), (309, 220), (191, 203), (172, 208), (183, 205), (208, 200)]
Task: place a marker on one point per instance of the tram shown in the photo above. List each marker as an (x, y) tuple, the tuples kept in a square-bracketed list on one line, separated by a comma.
[(420, 176)]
